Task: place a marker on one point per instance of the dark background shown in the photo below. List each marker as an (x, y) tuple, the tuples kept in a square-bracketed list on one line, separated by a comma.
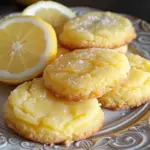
[(139, 8)]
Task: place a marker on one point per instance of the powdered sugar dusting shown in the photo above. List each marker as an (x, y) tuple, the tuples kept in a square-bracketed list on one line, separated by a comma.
[(81, 61), (108, 21), (105, 21), (93, 18), (97, 20)]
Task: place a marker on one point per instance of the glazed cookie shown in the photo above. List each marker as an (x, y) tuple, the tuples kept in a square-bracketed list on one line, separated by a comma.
[(97, 29), (86, 73), (135, 91), (35, 114)]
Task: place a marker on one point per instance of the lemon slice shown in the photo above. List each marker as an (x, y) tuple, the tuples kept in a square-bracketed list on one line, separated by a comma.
[(5, 17), (27, 45), (54, 13)]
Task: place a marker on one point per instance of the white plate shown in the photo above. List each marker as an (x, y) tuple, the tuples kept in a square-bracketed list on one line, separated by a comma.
[(123, 130)]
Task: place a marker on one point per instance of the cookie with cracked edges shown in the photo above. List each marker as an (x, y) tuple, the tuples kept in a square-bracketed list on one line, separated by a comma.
[(86, 73), (34, 113), (135, 91), (97, 29)]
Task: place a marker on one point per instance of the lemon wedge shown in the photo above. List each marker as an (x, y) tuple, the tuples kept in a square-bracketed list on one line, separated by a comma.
[(54, 13), (27, 45)]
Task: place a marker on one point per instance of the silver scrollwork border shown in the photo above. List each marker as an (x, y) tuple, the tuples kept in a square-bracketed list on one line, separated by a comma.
[(134, 138)]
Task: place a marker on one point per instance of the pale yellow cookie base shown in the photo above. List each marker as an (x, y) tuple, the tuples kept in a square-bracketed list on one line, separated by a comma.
[(32, 112), (116, 105), (89, 44), (44, 136)]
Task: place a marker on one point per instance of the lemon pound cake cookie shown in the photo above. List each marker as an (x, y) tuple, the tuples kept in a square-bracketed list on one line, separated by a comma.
[(34, 113), (86, 73), (135, 91), (97, 29)]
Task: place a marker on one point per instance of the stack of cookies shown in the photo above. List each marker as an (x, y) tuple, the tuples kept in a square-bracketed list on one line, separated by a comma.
[(63, 105)]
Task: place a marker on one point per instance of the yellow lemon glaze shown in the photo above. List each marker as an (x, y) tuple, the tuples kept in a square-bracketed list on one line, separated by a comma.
[(86, 73), (97, 29), (135, 91), (39, 116)]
